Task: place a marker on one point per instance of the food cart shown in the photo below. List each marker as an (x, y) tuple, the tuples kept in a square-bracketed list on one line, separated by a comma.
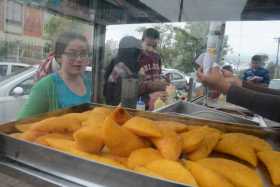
[(28, 164), (31, 164)]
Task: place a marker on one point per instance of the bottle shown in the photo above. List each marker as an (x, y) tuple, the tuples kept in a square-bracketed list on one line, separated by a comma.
[(140, 105)]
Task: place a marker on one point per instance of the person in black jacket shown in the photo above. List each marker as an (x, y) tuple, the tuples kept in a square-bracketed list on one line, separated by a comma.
[(263, 101), (124, 65)]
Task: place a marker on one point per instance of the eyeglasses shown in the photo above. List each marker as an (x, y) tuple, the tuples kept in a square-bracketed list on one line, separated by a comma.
[(76, 55)]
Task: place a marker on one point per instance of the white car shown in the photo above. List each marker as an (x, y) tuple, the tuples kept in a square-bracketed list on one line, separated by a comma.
[(177, 78), (14, 91), (275, 84), (7, 68)]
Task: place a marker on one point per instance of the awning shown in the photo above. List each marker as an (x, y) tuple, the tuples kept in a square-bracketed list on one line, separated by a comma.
[(216, 10)]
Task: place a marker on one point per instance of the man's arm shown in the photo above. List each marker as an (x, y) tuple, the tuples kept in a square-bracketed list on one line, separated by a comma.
[(266, 105), (152, 86), (263, 104), (258, 88)]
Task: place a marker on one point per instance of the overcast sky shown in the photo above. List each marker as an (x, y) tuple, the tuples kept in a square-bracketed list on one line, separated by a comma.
[(253, 37)]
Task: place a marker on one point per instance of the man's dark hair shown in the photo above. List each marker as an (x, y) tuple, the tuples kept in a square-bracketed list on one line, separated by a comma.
[(151, 33), (257, 59), (228, 68)]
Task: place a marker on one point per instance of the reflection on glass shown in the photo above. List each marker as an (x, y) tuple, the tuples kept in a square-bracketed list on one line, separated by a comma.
[(28, 30)]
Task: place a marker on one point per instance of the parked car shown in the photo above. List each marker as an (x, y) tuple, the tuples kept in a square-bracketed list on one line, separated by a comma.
[(7, 68), (177, 78), (275, 84), (15, 89)]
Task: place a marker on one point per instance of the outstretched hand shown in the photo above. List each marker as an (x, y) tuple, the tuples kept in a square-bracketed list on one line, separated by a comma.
[(215, 79)]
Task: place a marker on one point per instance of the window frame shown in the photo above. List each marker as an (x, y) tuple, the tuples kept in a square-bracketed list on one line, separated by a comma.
[(179, 75), (7, 68), (13, 9)]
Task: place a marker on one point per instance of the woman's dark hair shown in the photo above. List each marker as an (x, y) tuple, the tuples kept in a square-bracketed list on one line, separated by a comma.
[(151, 33), (64, 39)]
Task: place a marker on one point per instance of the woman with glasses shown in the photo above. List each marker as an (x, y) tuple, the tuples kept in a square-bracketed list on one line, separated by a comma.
[(68, 86)]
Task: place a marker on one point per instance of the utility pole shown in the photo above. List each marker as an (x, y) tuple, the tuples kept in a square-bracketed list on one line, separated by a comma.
[(214, 48), (276, 72), (181, 10)]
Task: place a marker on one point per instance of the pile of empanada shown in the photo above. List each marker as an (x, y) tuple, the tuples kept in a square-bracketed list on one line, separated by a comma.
[(164, 149)]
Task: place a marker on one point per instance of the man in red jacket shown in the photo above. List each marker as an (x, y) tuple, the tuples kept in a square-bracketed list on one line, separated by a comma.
[(150, 66)]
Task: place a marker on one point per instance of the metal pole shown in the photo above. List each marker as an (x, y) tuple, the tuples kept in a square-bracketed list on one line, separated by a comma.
[(190, 91), (276, 72), (99, 47), (18, 53), (214, 48), (206, 92), (181, 10), (220, 45)]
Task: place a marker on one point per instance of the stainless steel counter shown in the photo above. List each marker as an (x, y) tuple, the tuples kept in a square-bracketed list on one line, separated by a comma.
[(15, 174), (203, 112)]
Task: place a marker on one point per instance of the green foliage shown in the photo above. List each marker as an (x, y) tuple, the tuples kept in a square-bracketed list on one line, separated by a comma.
[(273, 70), (7, 48), (3, 48), (56, 25)]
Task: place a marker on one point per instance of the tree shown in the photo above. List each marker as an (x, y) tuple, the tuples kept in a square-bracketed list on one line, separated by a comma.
[(271, 67), (187, 48), (200, 31), (9, 49), (58, 24)]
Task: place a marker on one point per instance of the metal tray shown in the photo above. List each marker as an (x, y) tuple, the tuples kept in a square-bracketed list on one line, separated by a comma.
[(203, 112), (90, 173)]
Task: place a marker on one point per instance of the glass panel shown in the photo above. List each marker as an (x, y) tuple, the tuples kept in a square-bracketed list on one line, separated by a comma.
[(178, 47), (46, 37), (29, 32), (18, 68), (14, 12), (176, 76), (3, 70)]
